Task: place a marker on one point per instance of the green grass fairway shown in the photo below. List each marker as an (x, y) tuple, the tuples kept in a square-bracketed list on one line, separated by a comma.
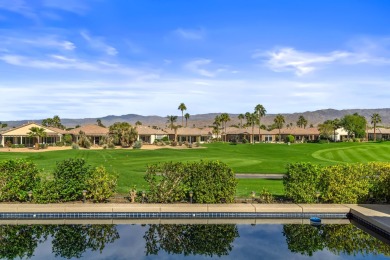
[(243, 158)]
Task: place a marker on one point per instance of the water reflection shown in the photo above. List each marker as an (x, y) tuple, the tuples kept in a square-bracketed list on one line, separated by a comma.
[(193, 241)]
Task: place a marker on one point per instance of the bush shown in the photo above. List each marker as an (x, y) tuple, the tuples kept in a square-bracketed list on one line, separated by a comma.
[(165, 139), (84, 141), (1, 146), (266, 196), (67, 140), (197, 144), (174, 143), (70, 176), (43, 146), (60, 143), (137, 145), (100, 184), (290, 139), (17, 178), (46, 192), (210, 181), (345, 183), (75, 146), (244, 141), (180, 143), (302, 182)]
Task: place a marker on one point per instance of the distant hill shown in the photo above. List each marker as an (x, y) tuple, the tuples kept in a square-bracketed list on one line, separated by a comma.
[(203, 120)]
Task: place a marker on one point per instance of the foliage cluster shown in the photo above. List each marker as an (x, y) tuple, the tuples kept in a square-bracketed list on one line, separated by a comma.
[(68, 241), (17, 178), (290, 139), (84, 140), (70, 178), (338, 239), (210, 181), (343, 183)]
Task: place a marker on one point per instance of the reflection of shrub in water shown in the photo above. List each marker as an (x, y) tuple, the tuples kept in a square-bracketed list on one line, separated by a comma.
[(208, 240), (339, 239), (68, 240), (20, 241)]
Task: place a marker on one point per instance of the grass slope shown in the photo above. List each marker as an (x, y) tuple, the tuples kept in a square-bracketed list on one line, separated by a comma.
[(243, 158)]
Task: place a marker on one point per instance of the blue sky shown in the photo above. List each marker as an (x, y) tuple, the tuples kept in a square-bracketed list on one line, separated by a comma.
[(92, 58)]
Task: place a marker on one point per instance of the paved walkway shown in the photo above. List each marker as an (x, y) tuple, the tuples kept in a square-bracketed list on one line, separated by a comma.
[(378, 215)]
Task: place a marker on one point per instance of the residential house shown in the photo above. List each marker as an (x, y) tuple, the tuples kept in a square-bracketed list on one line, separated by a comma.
[(95, 133), (19, 135), (381, 133)]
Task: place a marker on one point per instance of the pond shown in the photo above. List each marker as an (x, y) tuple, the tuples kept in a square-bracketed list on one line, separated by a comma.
[(163, 241)]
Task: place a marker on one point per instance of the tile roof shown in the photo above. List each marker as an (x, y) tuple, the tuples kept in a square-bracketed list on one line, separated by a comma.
[(90, 130), (379, 130), (145, 130)]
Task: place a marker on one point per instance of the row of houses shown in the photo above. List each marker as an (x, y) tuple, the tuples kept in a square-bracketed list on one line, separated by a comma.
[(19, 135)]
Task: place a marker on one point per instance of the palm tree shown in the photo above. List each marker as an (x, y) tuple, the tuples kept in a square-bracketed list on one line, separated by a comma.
[(375, 119), (187, 116), (301, 121), (36, 132), (279, 121), (251, 119), (217, 124), (224, 119), (182, 107), (241, 116), (171, 120), (260, 110), (99, 122)]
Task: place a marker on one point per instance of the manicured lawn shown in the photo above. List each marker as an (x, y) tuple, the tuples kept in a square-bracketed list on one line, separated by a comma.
[(130, 164)]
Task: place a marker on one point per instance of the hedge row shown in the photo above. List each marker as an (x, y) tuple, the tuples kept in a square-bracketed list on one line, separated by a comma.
[(209, 182), (70, 178), (343, 183)]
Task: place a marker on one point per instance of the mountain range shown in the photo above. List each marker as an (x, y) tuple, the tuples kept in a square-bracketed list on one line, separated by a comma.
[(204, 120)]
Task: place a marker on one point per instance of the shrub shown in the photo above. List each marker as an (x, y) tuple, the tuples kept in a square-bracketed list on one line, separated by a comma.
[(17, 177), (197, 144), (46, 192), (60, 143), (75, 146), (345, 183), (290, 139), (180, 143), (100, 184), (84, 141), (302, 182), (174, 143), (70, 176), (210, 181), (1, 146), (67, 140), (266, 196), (43, 146), (244, 141), (165, 139), (137, 145)]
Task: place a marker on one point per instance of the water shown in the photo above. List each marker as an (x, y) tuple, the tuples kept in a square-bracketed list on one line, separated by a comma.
[(227, 241)]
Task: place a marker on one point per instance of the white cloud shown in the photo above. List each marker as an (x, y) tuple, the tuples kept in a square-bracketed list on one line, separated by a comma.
[(55, 61), (41, 42), (301, 63), (73, 6), (18, 6), (99, 44), (189, 34), (197, 67)]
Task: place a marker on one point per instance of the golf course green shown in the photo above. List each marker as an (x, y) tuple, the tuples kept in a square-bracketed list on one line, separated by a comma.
[(130, 164)]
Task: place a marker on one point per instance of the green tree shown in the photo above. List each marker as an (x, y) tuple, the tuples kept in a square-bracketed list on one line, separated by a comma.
[(217, 124), (224, 119), (251, 120), (260, 111), (123, 133), (53, 122), (138, 123), (182, 107), (279, 121), (302, 122), (241, 117), (326, 129), (3, 125), (187, 116), (99, 122), (37, 132), (355, 125), (375, 119), (171, 120)]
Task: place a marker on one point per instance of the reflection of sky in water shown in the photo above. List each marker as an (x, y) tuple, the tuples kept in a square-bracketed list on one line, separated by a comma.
[(254, 242)]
